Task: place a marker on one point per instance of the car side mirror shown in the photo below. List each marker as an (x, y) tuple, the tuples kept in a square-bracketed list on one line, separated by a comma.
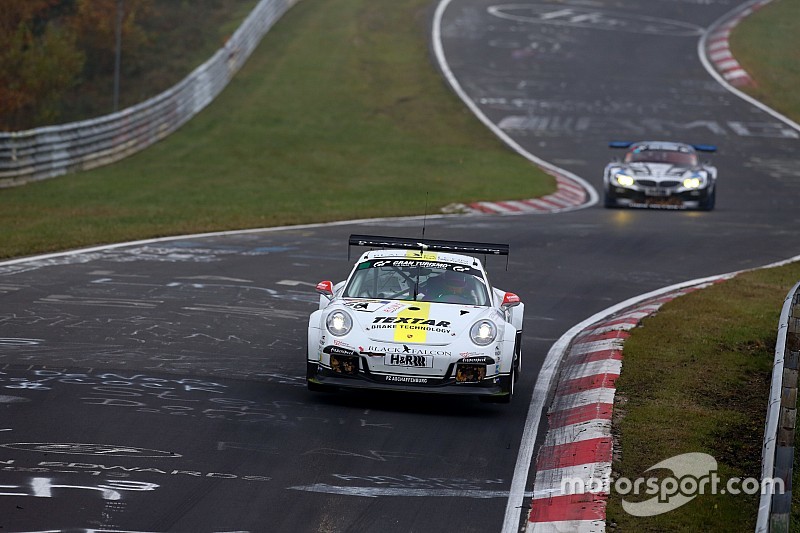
[(325, 288), (510, 300)]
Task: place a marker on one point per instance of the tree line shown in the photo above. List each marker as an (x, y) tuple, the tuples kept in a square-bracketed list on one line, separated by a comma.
[(50, 47)]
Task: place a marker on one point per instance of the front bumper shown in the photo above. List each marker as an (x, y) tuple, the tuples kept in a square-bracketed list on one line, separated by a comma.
[(496, 385), (659, 198)]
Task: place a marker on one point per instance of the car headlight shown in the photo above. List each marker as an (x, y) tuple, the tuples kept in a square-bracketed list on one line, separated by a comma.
[(483, 332), (339, 323), (624, 179), (695, 181)]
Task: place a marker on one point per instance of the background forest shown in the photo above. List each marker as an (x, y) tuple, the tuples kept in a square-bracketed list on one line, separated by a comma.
[(57, 57)]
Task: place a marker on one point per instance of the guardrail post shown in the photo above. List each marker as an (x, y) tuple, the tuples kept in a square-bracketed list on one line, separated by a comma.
[(779, 432), (784, 451)]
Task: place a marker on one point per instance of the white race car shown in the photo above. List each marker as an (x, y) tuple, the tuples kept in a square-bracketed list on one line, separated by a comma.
[(660, 174), (417, 315)]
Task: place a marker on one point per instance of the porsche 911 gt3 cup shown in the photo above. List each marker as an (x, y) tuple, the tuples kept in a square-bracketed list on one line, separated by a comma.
[(667, 175), (417, 315)]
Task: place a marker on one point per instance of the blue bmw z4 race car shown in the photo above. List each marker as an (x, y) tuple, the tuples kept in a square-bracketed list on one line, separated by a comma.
[(660, 174)]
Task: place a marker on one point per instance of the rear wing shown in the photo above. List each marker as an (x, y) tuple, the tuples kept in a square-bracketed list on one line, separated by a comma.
[(704, 147), (376, 241)]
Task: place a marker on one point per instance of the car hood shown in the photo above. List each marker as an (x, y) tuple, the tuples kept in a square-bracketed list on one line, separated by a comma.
[(657, 171), (414, 322)]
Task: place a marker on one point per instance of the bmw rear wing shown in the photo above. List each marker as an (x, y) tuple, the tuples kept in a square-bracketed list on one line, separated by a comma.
[(698, 147), (424, 244)]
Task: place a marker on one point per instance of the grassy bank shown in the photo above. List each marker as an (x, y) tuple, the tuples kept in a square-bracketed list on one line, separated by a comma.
[(767, 45), (696, 375), (696, 378), (339, 114)]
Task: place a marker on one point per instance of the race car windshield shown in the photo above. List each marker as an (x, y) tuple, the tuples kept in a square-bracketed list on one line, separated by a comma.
[(671, 157), (424, 281)]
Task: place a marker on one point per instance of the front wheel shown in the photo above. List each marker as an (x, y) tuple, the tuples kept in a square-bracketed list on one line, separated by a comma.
[(708, 203), (318, 387), (517, 356), (311, 373), (504, 398), (609, 199)]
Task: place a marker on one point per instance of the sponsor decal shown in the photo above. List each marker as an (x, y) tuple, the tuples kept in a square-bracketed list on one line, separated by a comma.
[(409, 337), (400, 263), (654, 205), (404, 331), (337, 342), (364, 305), (411, 320), (428, 256), (397, 359), (426, 262), (406, 379), (337, 350), (412, 324), (393, 308), (480, 360), (406, 350)]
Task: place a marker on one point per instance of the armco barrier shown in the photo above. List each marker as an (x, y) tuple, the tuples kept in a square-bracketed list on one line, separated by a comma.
[(778, 450), (51, 151)]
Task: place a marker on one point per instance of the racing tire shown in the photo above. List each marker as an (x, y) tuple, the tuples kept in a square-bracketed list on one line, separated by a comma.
[(609, 200), (517, 356), (313, 386), (318, 387), (512, 379), (505, 398), (708, 203)]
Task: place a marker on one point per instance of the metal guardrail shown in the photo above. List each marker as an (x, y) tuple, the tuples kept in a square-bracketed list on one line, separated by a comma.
[(52, 151), (777, 459)]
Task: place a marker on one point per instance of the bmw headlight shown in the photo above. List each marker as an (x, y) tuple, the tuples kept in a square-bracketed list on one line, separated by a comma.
[(339, 323), (695, 181), (483, 332), (624, 179)]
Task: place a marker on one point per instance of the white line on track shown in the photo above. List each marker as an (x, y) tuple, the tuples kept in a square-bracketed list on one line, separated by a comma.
[(438, 49), (374, 492), (701, 52)]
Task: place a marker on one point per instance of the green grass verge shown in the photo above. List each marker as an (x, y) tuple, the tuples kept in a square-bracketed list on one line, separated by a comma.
[(339, 114), (696, 375), (695, 378), (767, 45)]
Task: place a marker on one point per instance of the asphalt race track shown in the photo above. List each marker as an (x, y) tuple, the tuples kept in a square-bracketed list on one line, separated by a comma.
[(160, 386)]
